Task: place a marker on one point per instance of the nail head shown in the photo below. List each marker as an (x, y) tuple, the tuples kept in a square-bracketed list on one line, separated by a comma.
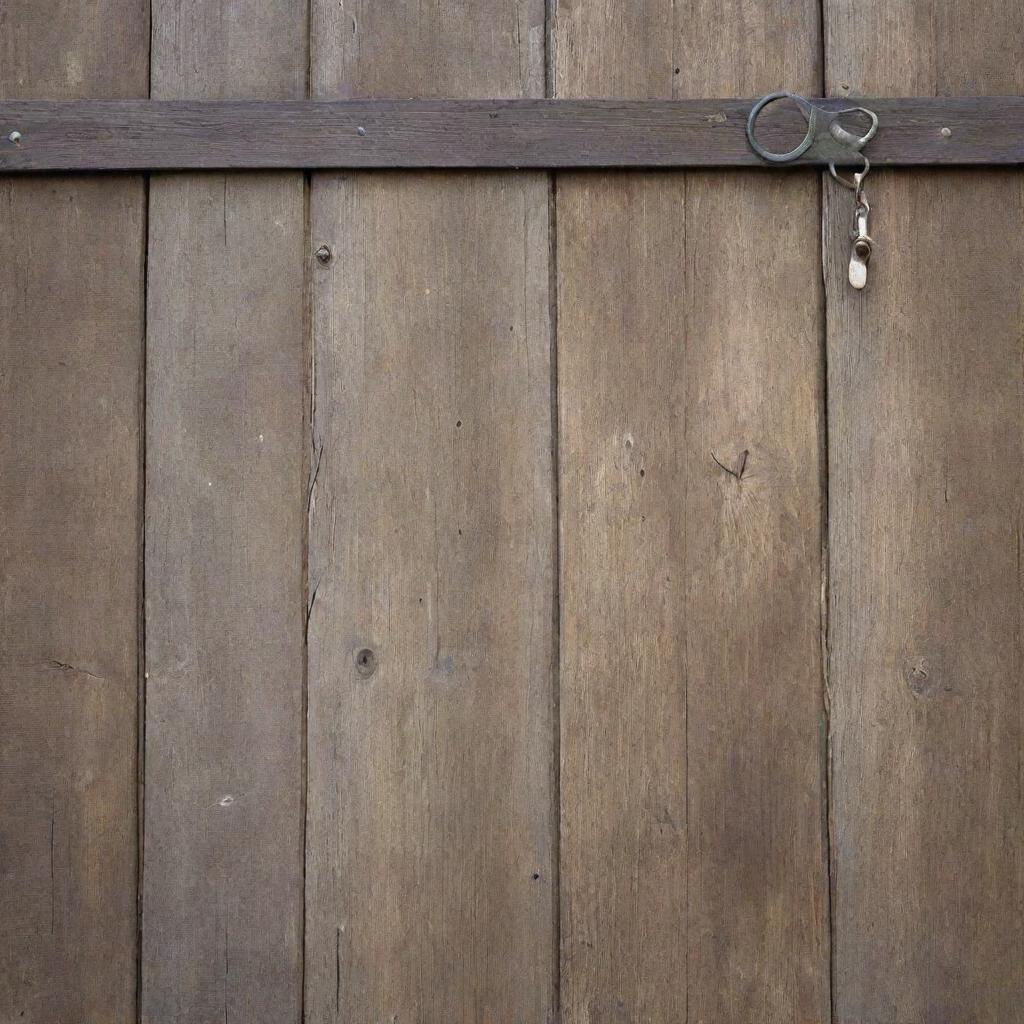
[(15, 137), (946, 133), (324, 254), (366, 662)]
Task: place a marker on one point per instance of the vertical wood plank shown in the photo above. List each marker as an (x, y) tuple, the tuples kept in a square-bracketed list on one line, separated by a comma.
[(71, 325), (430, 856), (99, 51), (222, 910), (694, 882), (925, 419), (454, 49)]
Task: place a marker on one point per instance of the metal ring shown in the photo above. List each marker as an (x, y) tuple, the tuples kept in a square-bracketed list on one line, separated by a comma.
[(810, 112), (846, 137), (852, 185)]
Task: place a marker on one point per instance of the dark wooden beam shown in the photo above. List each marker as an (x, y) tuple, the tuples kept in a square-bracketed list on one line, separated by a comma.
[(139, 135)]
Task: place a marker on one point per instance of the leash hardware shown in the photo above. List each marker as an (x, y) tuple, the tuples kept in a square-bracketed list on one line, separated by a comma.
[(828, 140)]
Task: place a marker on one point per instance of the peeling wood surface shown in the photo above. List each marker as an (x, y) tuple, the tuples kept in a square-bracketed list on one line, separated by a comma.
[(71, 327), (925, 411), (689, 380), (222, 917), (431, 856)]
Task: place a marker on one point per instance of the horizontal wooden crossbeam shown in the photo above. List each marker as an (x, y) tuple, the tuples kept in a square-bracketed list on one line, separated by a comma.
[(140, 135)]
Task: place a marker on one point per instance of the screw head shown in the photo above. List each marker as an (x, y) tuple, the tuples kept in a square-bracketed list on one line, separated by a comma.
[(946, 133), (360, 130), (324, 254), (15, 137)]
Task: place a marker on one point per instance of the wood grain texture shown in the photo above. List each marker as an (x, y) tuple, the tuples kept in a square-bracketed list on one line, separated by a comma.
[(230, 49), (925, 421), (443, 48), (71, 326), (70, 367), (162, 134), (693, 878), (430, 874), (431, 867), (52, 50), (222, 916), (222, 909)]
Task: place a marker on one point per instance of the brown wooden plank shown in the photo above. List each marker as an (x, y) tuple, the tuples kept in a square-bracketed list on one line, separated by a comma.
[(925, 422), (70, 366), (693, 878), (222, 911), (71, 325), (430, 856), (165, 134), (464, 51), (54, 51)]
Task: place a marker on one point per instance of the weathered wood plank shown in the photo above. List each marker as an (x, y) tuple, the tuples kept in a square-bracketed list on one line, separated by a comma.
[(925, 421), (70, 367), (71, 326), (430, 858), (230, 50), (222, 911), (164, 134), (693, 858), (367, 49), (52, 51)]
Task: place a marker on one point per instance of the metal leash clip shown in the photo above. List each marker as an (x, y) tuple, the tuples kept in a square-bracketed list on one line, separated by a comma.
[(827, 140), (862, 241)]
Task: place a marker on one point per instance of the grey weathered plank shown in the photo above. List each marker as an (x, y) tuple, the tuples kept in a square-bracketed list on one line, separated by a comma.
[(925, 427), (70, 371), (446, 49), (222, 909), (50, 50), (693, 881), (430, 861), (480, 133)]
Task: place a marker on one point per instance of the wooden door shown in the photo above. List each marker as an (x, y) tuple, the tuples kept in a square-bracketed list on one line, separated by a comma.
[(509, 597)]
